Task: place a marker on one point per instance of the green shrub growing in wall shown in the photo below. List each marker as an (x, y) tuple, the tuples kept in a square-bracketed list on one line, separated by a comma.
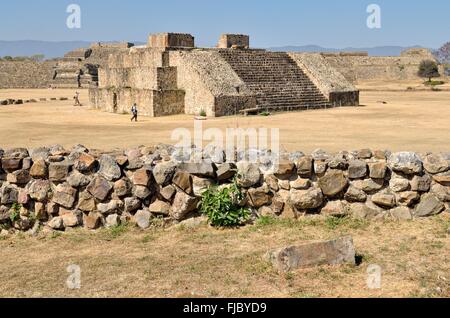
[(221, 207), (14, 214)]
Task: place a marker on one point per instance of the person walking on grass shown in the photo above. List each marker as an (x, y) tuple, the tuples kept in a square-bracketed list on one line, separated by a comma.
[(134, 111)]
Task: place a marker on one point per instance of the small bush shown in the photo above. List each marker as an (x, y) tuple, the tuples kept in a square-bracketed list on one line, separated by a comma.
[(202, 113), (265, 114), (428, 69), (221, 206), (434, 83), (15, 212)]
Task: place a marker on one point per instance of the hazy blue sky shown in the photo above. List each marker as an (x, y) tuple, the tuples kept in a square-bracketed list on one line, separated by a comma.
[(330, 23)]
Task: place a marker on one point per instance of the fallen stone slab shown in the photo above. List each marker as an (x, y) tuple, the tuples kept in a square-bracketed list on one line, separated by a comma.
[(334, 252)]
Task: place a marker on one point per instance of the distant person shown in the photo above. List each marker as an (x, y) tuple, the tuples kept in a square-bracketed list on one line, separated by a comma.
[(77, 99), (134, 111)]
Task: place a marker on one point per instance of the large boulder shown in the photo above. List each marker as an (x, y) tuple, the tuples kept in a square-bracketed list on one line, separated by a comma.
[(259, 196), (64, 195), (333, 183), (122, 187), (109, 168), (435, 164), (163, 173), (72, 218), (306, 199), (39, 190), (100, 188), (405, 162), (334, 252), (398, 184), (183, 204), (86, 202), (357, 169), (249, 174), (160, 208), (421, 183), (429, 205)]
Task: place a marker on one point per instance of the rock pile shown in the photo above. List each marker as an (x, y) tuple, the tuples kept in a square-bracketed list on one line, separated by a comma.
[(11, 101), (62, 188)]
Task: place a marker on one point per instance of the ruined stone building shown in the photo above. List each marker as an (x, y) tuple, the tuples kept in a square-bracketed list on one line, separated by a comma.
[(171, 76), (79, 68)]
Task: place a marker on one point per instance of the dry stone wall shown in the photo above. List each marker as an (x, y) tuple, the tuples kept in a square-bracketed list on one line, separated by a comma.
[(26, 74), (63, 188)]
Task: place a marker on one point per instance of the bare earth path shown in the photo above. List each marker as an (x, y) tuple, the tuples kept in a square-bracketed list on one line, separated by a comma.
[(415, 121)]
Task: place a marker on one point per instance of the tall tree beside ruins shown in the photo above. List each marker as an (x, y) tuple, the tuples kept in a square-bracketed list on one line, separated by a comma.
[(428, 69)]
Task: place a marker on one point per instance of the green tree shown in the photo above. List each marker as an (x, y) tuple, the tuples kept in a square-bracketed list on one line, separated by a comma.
[(428, 69)]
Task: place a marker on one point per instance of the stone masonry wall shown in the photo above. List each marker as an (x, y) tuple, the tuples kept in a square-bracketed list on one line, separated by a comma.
[(26, 74), (63, 188)]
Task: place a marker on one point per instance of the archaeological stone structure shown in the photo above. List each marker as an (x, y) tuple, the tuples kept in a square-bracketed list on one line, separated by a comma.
[(62, 188), (171, 76)]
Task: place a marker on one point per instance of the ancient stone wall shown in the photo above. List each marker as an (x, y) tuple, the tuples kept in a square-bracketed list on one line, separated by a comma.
[(26, 74), (334, 85), (234, 40), (64, 188), (359, 67)]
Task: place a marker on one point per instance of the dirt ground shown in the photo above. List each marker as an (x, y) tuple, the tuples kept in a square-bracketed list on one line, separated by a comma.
[(206, 262), (417, 120)]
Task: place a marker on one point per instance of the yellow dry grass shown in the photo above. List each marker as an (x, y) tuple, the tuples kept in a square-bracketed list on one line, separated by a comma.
[(206, 262)]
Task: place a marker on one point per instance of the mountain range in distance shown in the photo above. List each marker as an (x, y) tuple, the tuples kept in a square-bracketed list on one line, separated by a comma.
[(58, 49)]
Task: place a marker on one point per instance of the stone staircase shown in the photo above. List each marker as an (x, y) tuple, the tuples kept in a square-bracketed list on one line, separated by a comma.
[(72, 71), (278, 82)]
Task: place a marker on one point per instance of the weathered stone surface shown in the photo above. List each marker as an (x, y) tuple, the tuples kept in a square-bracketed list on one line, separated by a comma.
[(142, 219), (368, 185), (405, 162), (183, 181), (58, 171), (443, 193), (301, 184), (335, 252), (142, 177), (112, 220), (364, 154), (421, 183), (429, 205), (401, 214), (357, 169), (64, 195), (203, 169), (109, 168), (407, 198), (86, 202), (399, 184), (16, 153), (93, 221), (99, 188), (114, 206), (278, 204), (226, 171), (40, 211), (435, 164), (11, 164), (272, 182), (320, 167), (200, 185), (163, 173), (168, 192), (284, 169), (384, 200), (134, 163), (259, 196), (72, 218), (182, 205), (338, 162), (39, 169), (85, 163), (141, 192), (77, 180), (249, 174), (306, 199), (378, 170), (20, 177), (39, 190), (56, 223), (333, 183), (132, 204), (334, 208), (122, 187), (362, 211), (443, 180), (40, 153), (305, 167), (160, 208), (354, 194)]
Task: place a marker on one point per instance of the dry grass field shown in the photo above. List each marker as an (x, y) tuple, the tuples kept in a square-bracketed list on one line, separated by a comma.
[(410, 120), (206, 262)]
